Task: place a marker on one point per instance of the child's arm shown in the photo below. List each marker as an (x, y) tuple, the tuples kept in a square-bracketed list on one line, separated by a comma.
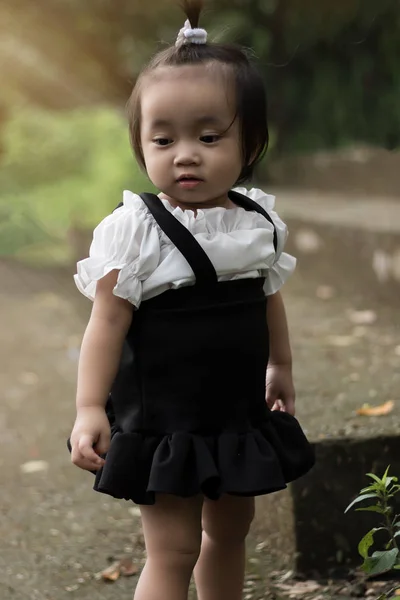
[(280, 352), (102, 344), (280, 389), (98, 364)]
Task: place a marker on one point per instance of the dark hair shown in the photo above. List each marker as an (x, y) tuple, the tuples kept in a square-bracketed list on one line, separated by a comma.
[(251, 99)]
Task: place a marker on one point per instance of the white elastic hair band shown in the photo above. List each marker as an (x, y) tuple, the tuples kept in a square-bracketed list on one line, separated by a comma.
[(187, 35)]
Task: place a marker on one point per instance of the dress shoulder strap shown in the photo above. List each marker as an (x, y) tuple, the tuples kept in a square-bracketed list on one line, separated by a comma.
[(251, 205), (181, 237)]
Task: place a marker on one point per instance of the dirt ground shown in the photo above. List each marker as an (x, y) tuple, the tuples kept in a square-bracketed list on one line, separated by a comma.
[(56, 534)]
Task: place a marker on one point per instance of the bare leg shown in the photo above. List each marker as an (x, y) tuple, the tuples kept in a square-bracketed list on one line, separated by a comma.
[(172, 532), (219, 573)]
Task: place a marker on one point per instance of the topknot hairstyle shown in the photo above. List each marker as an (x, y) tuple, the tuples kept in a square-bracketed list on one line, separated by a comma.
[(193, 9), (251, 101)]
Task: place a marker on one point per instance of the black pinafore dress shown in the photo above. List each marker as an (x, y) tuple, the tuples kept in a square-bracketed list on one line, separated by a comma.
[(187, 408)]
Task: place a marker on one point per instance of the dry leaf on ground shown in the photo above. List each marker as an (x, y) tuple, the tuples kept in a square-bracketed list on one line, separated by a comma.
[(299, 589), (125, 567), (305, 587), (128, 567), (376, 411), (112, 572)]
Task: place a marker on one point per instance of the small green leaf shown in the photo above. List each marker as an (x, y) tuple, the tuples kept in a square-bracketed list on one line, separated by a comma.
[(360, 499), (380, 562), (366, 543), (377, 509), (389, 480), (375, 478), (397, 533), (370, 488), (384, 478)]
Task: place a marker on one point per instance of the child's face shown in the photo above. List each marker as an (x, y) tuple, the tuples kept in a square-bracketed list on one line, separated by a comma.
[(190, 137)]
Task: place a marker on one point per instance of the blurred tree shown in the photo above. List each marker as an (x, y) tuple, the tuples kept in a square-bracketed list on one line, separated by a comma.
[(331, 66), (62, 174), (331, 71), (3, 120), (65, 53), (342, 84)]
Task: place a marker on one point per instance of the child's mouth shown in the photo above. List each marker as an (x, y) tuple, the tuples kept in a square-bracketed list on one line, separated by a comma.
[(189, 182)]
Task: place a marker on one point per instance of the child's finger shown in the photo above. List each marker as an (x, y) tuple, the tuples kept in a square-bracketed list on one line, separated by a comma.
[(79, 460), (277, 405), (289, 406), (271, 400), (85, 447), (88, 465), (103, 443)]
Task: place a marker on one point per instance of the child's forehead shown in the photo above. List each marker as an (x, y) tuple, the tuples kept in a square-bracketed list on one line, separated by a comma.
[(211, 71), (194, 91)]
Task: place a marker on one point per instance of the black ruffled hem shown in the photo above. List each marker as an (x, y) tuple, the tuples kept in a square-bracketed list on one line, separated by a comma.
[(256, 462)]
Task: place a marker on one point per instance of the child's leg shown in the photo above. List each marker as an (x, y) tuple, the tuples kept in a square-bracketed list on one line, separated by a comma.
[(219, 573), (172, 532)]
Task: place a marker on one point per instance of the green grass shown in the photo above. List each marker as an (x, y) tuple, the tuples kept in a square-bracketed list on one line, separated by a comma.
[(62, 170)]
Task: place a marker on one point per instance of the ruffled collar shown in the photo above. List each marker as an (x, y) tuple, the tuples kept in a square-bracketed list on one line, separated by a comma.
[(266, 200), (220, 219), (216, 218)]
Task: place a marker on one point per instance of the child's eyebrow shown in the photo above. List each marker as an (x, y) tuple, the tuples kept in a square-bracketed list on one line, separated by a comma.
[(203, 120), (209, 120)]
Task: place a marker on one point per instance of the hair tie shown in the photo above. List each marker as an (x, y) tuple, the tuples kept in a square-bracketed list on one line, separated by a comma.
[(187, 35)]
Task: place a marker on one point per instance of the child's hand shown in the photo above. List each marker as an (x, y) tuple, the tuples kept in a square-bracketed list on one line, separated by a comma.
[(280, 393), (90, 438)]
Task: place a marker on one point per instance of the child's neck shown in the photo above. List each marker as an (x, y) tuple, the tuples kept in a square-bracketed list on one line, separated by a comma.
[(222, 202)]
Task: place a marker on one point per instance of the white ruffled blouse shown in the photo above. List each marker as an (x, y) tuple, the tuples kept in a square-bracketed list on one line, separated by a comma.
[(239, 244)]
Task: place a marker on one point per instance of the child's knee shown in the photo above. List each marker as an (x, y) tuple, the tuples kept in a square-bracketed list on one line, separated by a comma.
[(181, 555), (172, 530), (180, 550), (228, 521)]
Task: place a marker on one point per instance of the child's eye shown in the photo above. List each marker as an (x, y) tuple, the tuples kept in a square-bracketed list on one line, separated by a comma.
[(210, 139), (162, 141)]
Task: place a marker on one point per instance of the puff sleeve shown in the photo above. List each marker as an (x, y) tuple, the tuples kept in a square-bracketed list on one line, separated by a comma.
[(128, 241), (283, 263)]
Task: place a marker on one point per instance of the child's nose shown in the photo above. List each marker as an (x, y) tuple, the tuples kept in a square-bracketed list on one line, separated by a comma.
[(186, 155)]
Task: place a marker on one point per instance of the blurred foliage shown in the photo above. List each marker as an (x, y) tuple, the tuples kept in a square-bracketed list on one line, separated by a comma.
[(331, 67), (62, 171), (331, 70)]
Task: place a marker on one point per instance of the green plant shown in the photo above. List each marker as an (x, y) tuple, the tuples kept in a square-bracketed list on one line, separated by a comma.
[(61, 170), (382, 491)]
